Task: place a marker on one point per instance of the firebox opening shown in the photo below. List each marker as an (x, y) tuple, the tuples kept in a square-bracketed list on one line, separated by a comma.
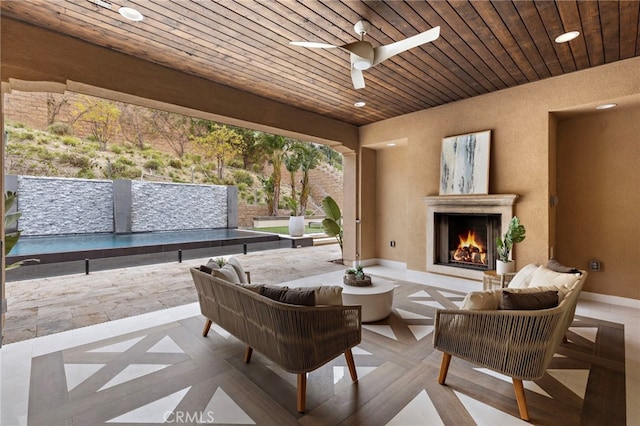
[(466, 240)]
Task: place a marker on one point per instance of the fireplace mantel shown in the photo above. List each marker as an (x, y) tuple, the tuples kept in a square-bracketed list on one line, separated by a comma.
[(501, 204)]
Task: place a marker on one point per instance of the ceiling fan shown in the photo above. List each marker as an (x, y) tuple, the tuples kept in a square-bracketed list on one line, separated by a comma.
[(365, 56)]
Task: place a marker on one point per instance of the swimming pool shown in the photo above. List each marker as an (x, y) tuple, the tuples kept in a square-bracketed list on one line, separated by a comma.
[(63, 248)]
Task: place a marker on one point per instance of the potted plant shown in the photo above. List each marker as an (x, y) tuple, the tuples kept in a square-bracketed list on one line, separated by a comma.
[(515, 234)]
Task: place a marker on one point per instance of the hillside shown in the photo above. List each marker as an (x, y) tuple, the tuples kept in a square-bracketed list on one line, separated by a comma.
[(42, 153)]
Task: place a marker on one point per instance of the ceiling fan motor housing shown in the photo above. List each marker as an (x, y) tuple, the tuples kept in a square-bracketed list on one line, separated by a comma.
[(361, 28)]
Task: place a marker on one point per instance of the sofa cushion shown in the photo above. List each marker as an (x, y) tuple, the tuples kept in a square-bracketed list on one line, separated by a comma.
[(227, 273), (242, 276), (546, 277), (292, 296), (252, 287), (529, 301), (482, 300), (523, 277)]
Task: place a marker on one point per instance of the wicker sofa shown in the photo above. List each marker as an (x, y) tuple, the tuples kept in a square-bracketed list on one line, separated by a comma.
[(297, 338), (514, 342)]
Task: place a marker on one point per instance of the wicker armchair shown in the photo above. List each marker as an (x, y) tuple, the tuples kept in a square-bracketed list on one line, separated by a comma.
[(297, 338), (516, 343)]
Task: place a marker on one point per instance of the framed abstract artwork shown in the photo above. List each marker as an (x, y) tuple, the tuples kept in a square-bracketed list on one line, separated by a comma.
[(464, 164)]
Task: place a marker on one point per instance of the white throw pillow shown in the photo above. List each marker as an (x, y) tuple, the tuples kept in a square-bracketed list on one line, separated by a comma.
[(523, 277), (487, 300), (546, 277), (242, 276), (227, 273)]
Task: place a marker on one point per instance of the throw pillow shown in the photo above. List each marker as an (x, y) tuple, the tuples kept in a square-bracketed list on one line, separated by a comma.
[(529, 301), (327, 294), (545, 277), (554, 265), (481, 300), (242, 276), (292, 296), (252, 287), (206, 269), (227, 273), (523, 277), (213, 264)]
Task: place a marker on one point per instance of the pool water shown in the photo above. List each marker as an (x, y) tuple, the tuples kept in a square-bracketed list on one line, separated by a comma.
[(36, 245)]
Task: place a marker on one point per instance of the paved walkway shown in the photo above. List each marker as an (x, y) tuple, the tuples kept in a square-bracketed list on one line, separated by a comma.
[(45, 306)]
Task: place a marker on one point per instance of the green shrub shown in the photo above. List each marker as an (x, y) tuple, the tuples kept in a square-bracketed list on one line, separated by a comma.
[(25, 136), (125, 161), (175, 163), (242, 187), (76, 160), (70, 141), (235, 163), (240, 176), (116, 149), (86, 174), (60, 129), (257, 168), (153, 164)]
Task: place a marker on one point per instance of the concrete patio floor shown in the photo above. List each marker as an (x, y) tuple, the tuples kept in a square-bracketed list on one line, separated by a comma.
[(43, 306)]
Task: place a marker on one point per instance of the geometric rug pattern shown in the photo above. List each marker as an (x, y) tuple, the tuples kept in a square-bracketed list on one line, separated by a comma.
[(171, 374)]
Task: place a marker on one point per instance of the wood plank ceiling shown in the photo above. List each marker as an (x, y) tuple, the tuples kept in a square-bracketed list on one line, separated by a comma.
[(484, 46)]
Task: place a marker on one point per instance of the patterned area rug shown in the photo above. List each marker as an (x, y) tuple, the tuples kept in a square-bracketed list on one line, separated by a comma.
[(171, 374)]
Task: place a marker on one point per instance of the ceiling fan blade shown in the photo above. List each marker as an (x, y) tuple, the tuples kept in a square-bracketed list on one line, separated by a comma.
[(357, 78), (312, 44), (360, 48), (385, 52)]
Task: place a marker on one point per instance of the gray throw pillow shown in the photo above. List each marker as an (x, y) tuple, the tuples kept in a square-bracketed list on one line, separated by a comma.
[(529, 301), (556, 266), (292, 296)]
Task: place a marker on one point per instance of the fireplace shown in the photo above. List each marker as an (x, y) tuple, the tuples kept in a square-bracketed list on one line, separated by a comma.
[(466, 240), (462, 230)]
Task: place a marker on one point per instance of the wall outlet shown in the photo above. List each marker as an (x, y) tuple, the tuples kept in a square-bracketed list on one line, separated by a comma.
[(594, 265), (392, 243)]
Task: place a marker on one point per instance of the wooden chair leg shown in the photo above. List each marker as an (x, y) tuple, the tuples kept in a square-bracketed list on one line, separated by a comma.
[(444, 367), (207, 326), (302, 392), (247, 354), (522, 402), (351, 364)]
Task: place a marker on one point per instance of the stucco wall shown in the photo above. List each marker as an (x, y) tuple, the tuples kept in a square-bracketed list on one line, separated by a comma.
[(173, 206), (521, 157), (599, 197)]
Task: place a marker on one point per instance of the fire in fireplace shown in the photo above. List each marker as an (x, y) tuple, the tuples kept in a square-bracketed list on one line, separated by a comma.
[(466, 240), (470, 250)]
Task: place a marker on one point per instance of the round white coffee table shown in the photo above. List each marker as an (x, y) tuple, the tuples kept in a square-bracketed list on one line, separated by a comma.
[(376, 299)]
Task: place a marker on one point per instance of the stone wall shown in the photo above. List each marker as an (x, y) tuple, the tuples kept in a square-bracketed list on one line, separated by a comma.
[(175, 206), (60, 206), (52, 206)]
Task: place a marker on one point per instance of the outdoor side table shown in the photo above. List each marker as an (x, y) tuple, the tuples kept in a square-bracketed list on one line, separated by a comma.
[(491, 280)]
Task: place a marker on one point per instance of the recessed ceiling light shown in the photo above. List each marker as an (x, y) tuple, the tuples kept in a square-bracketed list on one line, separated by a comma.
[(563, 38), (359, 104), (391, 144), (606, 106), (131, 14)]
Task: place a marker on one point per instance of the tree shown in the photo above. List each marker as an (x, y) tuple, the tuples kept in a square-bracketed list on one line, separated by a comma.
[(177, 130), (310, 157), (101, 116), (332, 223), (249, 148), (220, 143), (292, 162), (135, 123), (54, 106), (275, 146)]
